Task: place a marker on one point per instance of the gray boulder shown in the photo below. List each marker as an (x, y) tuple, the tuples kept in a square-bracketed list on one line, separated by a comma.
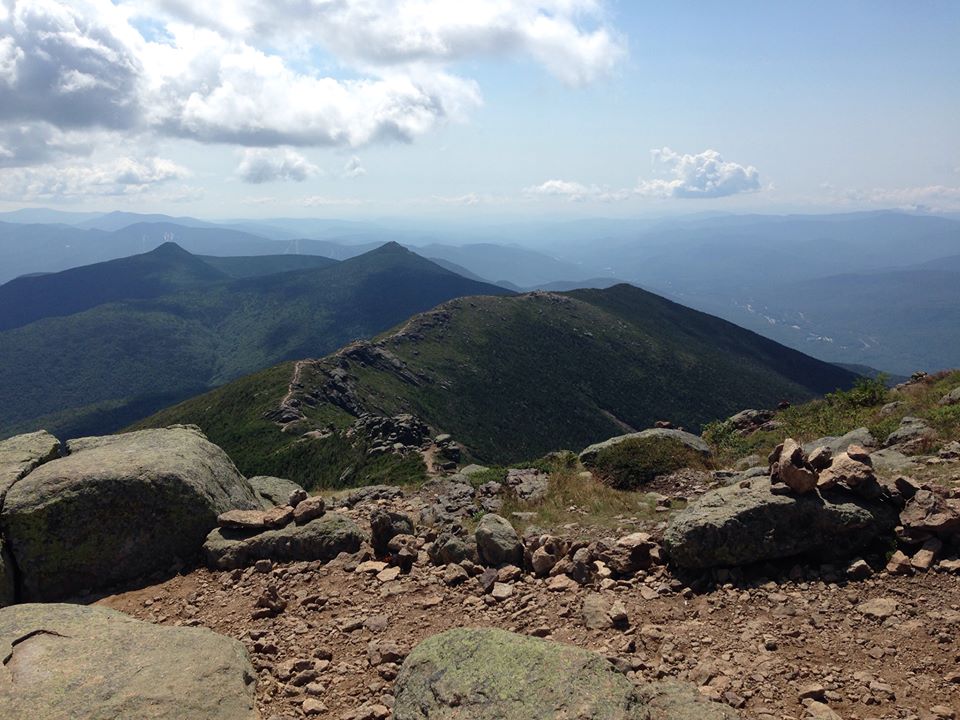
[(951, 398), (118, 508), (912, 430), (21, 454), (487, 674), (836, 445), (694, 442), (320, 539), (272, 491), (385, 525), (497, 542), (91, 663), (741, 525)]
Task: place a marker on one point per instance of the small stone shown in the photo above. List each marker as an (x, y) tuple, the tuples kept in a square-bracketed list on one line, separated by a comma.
[(263, 566), (899, 564), (813, 691), (309, 509), (312, 706), (455, 574), (501, 591), (388, 575), (878, 608), (561, 583)]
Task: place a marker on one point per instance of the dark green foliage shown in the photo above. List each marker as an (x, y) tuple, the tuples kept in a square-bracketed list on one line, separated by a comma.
[(159, 272), (865, 392), (95, 369), (632, 463), (253, 266)]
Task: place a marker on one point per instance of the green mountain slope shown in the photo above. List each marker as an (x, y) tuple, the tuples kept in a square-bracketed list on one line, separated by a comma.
[(98, 370), (254, 265), (162, 271), (511, 378)]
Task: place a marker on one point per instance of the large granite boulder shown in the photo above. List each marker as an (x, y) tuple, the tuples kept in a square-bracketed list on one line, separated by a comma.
[(487, 674), (91, 663), (738, 525), (321, 539), (272, 491), (118, 508), (694, 442), (21, 454)]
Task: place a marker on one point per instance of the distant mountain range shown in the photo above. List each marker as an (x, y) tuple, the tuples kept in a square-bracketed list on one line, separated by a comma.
[(510, 377), (790, 278), (91, 349)]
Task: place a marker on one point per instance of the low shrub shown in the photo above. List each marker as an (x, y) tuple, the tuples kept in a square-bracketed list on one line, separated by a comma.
[(629, 464)]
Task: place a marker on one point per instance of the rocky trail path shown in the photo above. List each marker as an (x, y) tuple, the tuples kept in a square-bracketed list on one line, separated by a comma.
[(882, 648)]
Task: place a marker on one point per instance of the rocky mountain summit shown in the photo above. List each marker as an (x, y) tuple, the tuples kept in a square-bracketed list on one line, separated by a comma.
[(656, 575)]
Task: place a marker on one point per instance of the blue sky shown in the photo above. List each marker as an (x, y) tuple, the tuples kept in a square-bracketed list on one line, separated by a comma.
[(482, 108)]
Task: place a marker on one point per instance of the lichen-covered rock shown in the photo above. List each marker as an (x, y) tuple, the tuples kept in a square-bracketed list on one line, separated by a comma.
[(497, 542), (273, 491), (91, 663), (741, 525), (694, 442), (320, 539), (118, 508), (487, 674), (21, 454)]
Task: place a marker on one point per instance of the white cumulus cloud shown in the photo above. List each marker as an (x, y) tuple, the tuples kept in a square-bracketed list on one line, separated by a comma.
[(570, 38), (261, 166), (123, 176), (704, 175)]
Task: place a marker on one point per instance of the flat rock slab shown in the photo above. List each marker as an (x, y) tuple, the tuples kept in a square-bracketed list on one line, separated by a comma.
[(741, 525), (116, 509), (21, 454), (89, 663), (273, 491), (320, 539), (488, 674)]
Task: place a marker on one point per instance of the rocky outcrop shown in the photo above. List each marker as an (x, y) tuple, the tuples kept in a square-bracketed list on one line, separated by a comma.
[(71, 661), (748, 523), (273, 491), (321, 539), (21, 454), (694, 442), (118, 508), (527, 484), (487, 674)]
